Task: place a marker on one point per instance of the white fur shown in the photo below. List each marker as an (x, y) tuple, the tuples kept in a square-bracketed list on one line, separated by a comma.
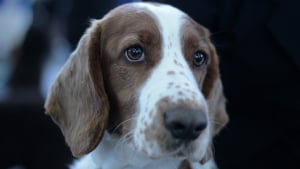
[(110, 154), (115, 153), (156, 86)]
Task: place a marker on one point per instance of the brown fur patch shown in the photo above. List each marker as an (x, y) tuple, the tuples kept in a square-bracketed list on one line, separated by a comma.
[(97, 88), (74, 102), (122, 78)]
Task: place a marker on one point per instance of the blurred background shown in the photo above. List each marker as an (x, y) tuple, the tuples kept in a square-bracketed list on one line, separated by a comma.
[(257, 41)]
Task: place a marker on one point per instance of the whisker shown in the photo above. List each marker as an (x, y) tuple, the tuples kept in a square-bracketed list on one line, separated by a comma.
[(125, 121), (213, 121), (124, 139)]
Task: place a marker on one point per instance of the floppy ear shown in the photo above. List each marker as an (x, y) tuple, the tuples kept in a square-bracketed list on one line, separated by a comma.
[(213, 91), (218, 115), (77, 101), (216, 103)]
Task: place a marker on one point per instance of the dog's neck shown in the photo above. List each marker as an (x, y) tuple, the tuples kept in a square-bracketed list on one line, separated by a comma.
[(112, 153)]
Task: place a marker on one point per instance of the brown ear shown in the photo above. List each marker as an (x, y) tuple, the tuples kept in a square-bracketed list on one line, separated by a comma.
[(217, 112), (216, 104), (77, 101), (213, 91)]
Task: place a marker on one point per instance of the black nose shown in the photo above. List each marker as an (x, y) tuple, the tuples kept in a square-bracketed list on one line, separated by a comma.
[(185, 124)]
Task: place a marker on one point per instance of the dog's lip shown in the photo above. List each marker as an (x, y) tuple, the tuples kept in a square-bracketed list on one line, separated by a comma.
[(179, 145), (186, 151), (182, 149)]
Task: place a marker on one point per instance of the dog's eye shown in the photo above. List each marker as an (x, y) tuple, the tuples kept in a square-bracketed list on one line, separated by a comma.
[(134, 54), (199, 58)]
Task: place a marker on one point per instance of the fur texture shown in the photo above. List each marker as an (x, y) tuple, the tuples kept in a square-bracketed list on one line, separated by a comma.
[(111, 104)]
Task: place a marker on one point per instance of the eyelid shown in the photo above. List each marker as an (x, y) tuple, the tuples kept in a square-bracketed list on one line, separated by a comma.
[(141, 58), (131, 40), (199, 58)]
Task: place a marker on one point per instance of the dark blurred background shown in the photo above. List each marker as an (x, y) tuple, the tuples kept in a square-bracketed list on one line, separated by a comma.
[(257, 41)]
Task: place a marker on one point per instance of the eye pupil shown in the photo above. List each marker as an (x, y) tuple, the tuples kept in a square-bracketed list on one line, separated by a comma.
[(134, 54), (199, 58)]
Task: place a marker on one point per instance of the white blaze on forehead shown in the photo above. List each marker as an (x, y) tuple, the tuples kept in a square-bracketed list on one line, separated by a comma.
[(170, 21), (172, 71), (171, 78)]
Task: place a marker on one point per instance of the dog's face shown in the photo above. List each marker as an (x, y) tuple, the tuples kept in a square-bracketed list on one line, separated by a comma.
[(148, 73)]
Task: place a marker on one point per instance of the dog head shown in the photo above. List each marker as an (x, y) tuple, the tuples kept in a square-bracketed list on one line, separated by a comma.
[(147, 73)]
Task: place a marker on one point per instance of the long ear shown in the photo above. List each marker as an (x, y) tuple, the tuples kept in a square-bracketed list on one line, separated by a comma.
[(217, 107), (218, 115), (213, 91), (77, 102)]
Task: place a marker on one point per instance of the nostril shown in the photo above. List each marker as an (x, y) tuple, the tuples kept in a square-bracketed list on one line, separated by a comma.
[(185, 124), (200, 127), (177, 129), (177, 126)]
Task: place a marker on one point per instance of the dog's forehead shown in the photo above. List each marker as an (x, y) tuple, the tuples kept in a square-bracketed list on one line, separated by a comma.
[(155, 8), (166, 17), (158, 12), (161, 10)]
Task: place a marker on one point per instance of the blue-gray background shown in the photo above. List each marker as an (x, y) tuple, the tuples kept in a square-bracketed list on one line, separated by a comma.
[(257, 41)]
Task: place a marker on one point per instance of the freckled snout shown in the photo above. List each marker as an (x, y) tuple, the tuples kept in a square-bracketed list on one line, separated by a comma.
[(185, 124)]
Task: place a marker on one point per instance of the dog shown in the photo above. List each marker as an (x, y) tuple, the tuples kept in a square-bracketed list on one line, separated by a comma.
[(142, 90)]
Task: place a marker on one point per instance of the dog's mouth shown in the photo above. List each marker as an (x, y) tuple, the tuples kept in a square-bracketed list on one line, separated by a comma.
[(178, 146), (181, 148), (193, 151)]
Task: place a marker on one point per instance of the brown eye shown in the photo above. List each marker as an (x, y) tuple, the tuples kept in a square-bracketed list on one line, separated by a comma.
[(134, 54), (199, 58)]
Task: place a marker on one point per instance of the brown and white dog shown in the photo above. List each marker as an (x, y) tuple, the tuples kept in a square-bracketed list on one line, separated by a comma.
[(141, 91)]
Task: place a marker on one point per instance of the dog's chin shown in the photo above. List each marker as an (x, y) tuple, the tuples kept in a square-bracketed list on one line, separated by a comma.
[(183, 152), (189, 153), (180, 156), (168, 147)]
